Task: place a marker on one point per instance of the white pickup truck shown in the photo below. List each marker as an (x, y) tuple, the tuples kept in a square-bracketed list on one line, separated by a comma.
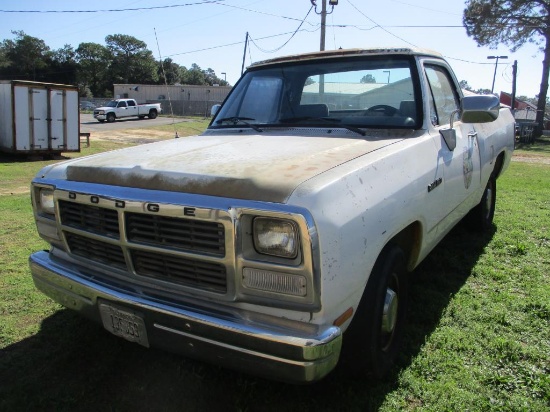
[(120, 108), (290, 226)]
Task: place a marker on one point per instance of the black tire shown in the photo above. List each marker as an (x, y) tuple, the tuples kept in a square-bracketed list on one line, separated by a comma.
[(373, 340), (153, 114), (480, 218), (111, 117)]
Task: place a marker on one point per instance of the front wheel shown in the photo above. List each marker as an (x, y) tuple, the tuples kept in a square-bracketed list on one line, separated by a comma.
[(372, 342), (111, 117), (480, 218)]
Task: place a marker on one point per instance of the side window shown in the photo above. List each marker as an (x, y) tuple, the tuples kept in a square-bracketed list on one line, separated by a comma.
[(131, 103), (443, 97), (121, 104)]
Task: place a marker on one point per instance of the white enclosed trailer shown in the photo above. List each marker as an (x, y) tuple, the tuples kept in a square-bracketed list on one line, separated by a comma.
[(38, 118)]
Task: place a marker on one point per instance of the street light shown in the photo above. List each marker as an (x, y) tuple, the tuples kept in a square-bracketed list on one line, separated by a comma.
[(496, 65), (224, 76)]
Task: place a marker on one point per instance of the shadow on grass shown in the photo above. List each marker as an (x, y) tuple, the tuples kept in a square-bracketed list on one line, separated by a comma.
[(73, 364), (29, 158)]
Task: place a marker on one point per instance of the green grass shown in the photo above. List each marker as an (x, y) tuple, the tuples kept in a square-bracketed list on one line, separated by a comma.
[(478, 336)]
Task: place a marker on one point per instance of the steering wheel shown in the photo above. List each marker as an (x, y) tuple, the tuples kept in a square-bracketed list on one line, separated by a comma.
[(380, 110)]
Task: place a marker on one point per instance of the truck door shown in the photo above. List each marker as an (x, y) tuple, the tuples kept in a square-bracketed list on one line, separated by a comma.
[(122, 109), (64, 128), (461, 164), (31, 114), (132, 108)]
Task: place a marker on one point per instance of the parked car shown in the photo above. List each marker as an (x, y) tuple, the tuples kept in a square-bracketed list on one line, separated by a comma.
[(120, 108), (87, 106)]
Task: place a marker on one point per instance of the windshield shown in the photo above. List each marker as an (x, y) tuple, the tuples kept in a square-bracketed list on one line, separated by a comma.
[(364, 92), (112, 103)]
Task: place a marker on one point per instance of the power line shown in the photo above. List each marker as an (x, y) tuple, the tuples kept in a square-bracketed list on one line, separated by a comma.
[(235, 43), (115, 10), (377, 25), (262, 12), (285, 43)]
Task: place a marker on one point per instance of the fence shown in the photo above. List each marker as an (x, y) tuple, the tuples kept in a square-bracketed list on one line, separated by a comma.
[(186, 107), (175, 107)]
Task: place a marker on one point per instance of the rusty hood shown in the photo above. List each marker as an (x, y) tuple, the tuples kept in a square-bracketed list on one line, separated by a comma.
[(262, 167)]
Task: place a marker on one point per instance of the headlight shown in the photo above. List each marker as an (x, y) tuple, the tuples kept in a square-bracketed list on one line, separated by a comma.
[(101, 112), (47, 204), (275, 237)]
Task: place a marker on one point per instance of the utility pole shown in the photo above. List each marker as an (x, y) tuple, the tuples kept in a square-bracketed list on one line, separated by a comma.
[(244, 54), (514, 77), (323, 14), (496, 65), (323, 24)]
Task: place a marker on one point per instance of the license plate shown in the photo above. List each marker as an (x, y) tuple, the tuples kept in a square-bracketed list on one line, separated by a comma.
[(124, 323)]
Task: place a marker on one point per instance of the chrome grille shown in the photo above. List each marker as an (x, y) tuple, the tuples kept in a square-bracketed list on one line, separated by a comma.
[(95, 250), (176, 233), (89, 218), (175, 269), (168, 236)]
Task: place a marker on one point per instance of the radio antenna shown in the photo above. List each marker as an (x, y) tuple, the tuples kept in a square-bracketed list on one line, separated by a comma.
[(166, 84)]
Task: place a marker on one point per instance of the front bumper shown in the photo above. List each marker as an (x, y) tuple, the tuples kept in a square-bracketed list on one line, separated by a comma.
[(254, 343)]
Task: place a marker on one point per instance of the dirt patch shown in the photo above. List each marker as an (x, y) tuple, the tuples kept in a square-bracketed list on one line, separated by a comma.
[(531, 159), (133, 136), (15, 190)]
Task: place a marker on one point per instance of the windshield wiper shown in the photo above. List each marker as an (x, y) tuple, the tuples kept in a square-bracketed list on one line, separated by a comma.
[(235, 120), (331, 122)]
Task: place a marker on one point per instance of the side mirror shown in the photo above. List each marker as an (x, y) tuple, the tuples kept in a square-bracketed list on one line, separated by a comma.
[(473, 109), (214, 109), (479, 109)]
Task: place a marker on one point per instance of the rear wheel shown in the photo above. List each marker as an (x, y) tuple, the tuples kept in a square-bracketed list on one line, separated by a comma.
[(372, 342), (153, 114), (111, 117)]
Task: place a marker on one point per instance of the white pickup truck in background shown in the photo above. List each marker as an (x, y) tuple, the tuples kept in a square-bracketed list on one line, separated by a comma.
[(290, 226), (120, 108)]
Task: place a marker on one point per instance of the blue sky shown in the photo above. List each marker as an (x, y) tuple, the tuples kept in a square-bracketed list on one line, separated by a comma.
[(212, 34)]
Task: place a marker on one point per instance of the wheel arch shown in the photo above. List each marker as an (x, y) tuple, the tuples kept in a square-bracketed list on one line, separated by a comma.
[(409, 240), (499, 165)]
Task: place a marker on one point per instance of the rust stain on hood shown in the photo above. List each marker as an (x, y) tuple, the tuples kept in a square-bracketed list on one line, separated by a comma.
[(258, 167)]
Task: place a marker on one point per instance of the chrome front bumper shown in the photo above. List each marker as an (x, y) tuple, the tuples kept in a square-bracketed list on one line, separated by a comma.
[(254, 343)]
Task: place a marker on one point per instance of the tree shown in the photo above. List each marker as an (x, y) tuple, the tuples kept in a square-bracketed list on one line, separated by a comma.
[(169, 72), (368, 78), (26, 57), (63, 66), (465, 86), (193, 75), (94, 61), (513, 23), (132, 61)]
